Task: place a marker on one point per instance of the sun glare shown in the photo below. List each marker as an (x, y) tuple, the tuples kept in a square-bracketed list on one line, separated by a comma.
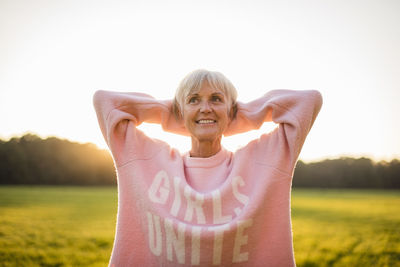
[(54, 58)]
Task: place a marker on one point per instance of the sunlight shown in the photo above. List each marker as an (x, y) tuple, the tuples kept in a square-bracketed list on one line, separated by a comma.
[(56, 55), (183, 144)]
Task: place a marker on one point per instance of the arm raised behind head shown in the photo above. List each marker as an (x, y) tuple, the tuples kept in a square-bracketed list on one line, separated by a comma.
[(280, 106), (120, 113), (294, 111), (112, 108)]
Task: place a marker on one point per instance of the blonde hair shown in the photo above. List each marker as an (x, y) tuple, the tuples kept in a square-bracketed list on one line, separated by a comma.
[(192, 83)]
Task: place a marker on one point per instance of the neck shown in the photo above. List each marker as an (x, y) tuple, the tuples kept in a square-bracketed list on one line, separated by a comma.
[(205, 149)]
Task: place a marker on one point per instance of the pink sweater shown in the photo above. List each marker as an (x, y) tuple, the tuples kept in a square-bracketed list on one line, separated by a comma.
[(232, 209)]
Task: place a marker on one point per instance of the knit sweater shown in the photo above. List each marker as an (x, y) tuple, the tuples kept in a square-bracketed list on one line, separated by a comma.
[(231, 209)]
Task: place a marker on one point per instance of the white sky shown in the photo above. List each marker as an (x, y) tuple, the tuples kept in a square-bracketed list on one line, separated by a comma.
[(55, 54)]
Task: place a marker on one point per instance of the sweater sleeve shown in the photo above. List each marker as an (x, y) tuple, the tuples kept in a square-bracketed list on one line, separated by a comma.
[(119, 114), (293, 111)]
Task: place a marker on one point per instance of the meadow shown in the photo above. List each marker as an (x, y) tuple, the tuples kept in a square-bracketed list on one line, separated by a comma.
[(74, 226)]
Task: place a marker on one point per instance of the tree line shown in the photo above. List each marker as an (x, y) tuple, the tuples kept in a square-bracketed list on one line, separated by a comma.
[(53, 161), (348, 173), (31, 160)]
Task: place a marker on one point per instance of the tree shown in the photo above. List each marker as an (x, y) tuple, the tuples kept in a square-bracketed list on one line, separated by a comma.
[(32, 160)]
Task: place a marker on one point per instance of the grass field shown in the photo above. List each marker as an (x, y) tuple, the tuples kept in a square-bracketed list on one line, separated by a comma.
[(74, 226)]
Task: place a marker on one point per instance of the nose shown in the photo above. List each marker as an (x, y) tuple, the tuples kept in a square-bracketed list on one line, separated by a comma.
[(205, 107)]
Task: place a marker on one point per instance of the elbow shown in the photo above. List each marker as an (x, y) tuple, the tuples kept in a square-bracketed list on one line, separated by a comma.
[(98, 98), (316, 98), (319, 99)]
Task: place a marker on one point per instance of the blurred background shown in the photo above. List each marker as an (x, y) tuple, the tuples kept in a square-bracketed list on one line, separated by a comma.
[(55, 54)]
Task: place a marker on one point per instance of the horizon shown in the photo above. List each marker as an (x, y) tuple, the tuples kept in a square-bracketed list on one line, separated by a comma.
[(335, 157)]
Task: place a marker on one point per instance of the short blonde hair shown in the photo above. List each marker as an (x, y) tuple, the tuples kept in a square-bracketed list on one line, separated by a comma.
[(193, 82)]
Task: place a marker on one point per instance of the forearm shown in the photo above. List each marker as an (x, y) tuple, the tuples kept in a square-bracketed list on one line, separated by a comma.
[(142, 107), (113, 107), (298, 108)]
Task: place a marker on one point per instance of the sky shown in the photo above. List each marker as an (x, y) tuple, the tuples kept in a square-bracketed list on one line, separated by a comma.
[(55, 54)]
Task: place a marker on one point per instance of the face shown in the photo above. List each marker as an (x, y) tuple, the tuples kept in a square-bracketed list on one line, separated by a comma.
[(206, 113)]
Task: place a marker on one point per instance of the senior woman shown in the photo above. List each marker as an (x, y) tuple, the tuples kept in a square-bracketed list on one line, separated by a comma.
[(209, 206)]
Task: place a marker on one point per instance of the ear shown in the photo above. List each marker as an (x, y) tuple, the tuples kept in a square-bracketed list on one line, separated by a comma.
[(176, 110), (233, 111)]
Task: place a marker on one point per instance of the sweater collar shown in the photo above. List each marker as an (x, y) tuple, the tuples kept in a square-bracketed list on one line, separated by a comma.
[(217, 159)]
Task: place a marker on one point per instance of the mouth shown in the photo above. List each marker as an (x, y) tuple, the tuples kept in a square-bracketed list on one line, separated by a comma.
[(206, 121)]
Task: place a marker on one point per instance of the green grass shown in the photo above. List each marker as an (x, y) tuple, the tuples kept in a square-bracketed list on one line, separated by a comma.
[(346, 227), (56, 226), (74, 226)]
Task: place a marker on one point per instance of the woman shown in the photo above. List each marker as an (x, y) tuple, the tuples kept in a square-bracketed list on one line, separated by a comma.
[(208, 207)]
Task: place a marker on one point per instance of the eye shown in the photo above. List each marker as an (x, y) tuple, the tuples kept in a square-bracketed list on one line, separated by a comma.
[(193, 100), (216, 98)]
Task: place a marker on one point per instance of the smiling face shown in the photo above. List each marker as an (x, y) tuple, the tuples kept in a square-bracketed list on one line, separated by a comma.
[(206, 114)]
